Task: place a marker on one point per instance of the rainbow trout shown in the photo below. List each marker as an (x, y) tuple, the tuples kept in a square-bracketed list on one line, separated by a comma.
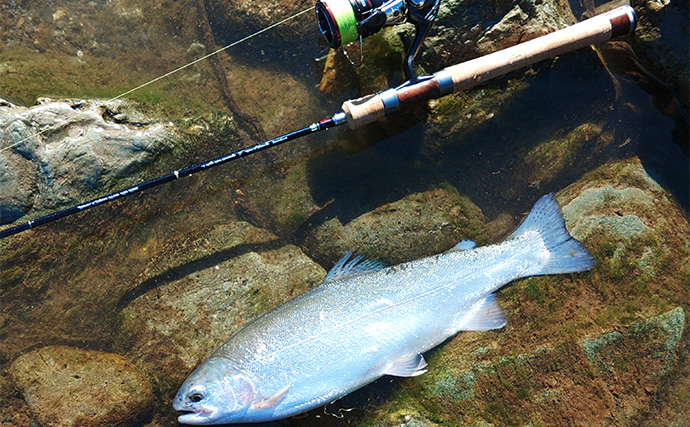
[(366, 320)]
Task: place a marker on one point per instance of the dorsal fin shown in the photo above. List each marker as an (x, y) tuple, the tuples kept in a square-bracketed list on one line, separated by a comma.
[(346, 267)]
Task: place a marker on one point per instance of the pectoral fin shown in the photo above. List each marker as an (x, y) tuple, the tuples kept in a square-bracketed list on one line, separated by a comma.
[(463, 245), (272, 400), (408, 366), (485, 315)]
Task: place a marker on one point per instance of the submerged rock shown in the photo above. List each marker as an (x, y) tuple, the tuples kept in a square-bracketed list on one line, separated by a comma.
[(54, 153), (633, 362), (661, 42), (418, 225), (66, 386), (244, 17), (198, 291), (627, 215), (552, 364), (604, 208), (647, 343), (467, 29)]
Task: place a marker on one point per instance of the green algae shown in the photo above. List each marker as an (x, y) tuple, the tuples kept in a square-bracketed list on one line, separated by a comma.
[(26, 76), (457, 387), (614, 351), (550, 158)]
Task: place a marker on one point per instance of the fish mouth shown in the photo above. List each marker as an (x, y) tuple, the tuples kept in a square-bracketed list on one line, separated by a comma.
[(195, 415), (192, 418)]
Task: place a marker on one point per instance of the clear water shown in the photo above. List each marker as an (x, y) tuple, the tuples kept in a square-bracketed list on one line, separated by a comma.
[(66, 282)]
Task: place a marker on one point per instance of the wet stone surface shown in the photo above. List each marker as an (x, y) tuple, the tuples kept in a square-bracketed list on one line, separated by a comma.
[(418, 225), (661, 41), (198, 291), (66, 386), (60, 149)]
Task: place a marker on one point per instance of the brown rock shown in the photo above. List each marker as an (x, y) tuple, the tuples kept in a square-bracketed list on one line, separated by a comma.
[(66, 386)]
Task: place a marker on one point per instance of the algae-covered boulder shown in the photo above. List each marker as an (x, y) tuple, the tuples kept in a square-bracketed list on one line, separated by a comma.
[(661, 42), (236, 18), (467, 29), (66, 386), (605, 347), (634, 362)]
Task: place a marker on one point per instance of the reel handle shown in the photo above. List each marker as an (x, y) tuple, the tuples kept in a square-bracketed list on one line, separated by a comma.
[(601, 28), (422, 14)]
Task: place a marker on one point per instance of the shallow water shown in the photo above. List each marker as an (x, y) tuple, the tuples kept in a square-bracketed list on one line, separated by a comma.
[(68, 282)]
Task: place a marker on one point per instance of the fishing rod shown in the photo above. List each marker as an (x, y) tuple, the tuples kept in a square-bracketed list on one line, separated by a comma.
[(339, 21)]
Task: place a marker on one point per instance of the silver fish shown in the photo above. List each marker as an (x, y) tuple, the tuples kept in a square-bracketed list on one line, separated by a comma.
[(366, 320)]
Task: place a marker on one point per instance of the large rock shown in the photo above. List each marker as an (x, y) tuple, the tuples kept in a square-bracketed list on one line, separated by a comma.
[(593, 348), (198, 291), (54, 153), (627, 215), (634, 362), (233, 20), (66, 386), (467, 29), (418, 225)]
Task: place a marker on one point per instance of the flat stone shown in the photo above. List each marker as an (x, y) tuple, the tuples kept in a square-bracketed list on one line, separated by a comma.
[(600, 208), (418, 225), (652, 343)]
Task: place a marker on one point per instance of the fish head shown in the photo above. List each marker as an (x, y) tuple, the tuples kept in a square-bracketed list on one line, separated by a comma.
[(215, 393)]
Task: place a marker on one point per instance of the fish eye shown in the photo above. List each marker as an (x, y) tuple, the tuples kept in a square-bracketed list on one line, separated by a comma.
[(196, 394)]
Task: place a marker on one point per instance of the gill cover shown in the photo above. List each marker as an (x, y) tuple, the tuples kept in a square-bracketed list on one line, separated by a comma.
[(214, 394)]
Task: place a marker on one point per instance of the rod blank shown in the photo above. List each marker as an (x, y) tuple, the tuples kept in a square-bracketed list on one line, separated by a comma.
[(323, 124)]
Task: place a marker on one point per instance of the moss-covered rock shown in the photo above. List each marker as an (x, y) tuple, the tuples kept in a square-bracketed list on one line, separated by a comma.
[(418, 225), (633, 363), (661, 42), (467, 29)]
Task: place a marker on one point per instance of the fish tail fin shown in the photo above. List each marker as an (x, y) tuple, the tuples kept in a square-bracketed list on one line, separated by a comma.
[(565, 253)]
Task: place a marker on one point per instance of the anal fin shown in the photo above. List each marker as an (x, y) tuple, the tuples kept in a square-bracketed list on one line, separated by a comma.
[(485, 315), (408, 366)]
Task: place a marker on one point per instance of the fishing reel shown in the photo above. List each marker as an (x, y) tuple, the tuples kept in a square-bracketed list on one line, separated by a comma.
[(344, 21)]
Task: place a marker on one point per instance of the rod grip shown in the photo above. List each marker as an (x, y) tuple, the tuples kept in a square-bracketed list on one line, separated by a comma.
[(364, 110), (595, 30), (598, 29)]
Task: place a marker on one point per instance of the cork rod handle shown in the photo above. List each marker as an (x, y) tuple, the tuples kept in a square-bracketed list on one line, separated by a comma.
[(598, 29)]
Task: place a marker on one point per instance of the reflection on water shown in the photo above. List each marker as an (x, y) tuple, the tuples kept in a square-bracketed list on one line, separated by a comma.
[(497, 148)]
